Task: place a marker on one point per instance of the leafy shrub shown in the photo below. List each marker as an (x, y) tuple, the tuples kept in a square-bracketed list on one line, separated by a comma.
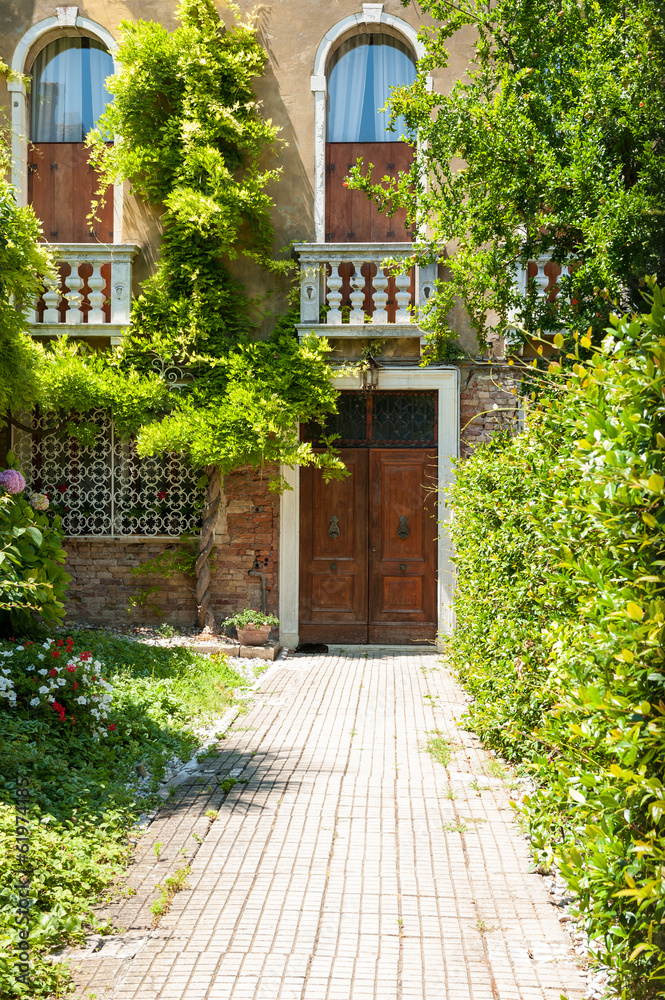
[(32, 578), (561, 609)]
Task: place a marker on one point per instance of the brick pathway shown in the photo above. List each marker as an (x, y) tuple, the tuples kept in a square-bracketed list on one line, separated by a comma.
[(345, 869)]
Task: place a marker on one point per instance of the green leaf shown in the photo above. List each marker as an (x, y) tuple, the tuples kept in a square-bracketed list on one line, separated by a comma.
[(35, 534)]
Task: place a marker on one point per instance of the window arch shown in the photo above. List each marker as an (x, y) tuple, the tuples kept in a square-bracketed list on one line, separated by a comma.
[(361, 72), (68, 89)]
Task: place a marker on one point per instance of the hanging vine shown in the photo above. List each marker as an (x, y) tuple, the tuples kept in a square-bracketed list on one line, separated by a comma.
[(193, 144)]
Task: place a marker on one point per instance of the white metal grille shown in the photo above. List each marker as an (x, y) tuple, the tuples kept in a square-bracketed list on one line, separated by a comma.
[(105, 489)]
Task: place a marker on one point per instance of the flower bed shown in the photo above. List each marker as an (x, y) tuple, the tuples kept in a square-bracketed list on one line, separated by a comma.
[(51, 681)]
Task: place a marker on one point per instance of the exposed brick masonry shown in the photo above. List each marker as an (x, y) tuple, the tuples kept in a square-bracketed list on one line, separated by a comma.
[(103, 582), (482, 388)]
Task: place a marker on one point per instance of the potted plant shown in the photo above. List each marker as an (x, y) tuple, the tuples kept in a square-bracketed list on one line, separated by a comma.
[(253, 627)]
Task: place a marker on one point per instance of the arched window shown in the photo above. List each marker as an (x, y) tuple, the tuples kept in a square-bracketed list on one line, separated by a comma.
[(68, 91), (362, 71), (68, 97)]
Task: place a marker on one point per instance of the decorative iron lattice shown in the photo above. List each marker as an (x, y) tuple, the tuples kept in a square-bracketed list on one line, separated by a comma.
[(396, 419), (104, 488)]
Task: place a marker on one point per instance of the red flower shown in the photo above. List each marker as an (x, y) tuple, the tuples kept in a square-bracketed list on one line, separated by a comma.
[(574, 302), (62, 489), (73, 721), (161, 495), (76, 684), (86, 656), (54, 652), (59, 642), (52, 673), (112, 727), (70, 669)]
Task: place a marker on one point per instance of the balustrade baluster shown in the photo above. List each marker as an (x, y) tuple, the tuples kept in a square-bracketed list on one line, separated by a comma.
[(52, 296), (403, 297), (542, 280), (357, 317), (380, 296), (334, 282), (74, 297), (96, 296)]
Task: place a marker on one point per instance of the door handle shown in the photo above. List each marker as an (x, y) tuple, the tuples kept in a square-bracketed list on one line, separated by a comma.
[(403, 530), (333, 527)]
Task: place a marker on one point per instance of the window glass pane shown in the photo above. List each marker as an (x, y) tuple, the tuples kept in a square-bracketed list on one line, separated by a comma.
[(362, 71), (403, 418), (349, 424), (68, 92)]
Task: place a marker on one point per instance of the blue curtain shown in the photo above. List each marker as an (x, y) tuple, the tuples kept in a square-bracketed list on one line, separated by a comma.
[(362, 71), (68, 92)]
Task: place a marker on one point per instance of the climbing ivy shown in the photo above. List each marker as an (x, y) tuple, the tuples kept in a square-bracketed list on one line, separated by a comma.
[(193, 143)]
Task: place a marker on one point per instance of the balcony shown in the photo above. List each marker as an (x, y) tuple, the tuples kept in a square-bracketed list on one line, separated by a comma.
[(93, 296), (345, 291)]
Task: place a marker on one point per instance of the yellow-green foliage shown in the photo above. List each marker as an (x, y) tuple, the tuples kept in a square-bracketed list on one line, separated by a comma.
[(561, 603)]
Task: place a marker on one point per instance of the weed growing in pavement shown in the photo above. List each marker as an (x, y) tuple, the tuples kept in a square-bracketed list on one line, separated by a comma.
[(449, 792), (441, 748), (454, 826), (227, 784), (157, 848), (211, 814), (173, 884)]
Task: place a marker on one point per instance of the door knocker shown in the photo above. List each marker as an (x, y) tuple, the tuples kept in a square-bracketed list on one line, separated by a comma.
[(403, 528), (333, 527)]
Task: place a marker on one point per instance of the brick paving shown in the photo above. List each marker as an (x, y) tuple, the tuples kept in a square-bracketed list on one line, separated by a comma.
[(352, 865)]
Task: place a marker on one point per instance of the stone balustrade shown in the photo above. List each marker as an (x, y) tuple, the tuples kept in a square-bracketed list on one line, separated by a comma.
[(345, 291), (93, 293)]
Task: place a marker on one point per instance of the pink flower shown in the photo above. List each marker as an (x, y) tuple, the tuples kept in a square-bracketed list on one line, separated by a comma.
[(12, 481)]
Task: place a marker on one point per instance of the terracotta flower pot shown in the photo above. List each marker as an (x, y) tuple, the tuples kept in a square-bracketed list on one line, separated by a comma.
[(251, 636)]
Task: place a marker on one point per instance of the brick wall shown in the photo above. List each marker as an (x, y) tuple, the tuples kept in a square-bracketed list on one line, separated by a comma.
[(247, 534), (482, 388)]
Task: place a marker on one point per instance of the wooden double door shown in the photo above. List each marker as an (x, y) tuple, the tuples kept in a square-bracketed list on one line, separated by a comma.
[(368, 549)]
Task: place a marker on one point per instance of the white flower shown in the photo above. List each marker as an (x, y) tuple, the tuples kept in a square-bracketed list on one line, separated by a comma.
[(43, 671), (81, 700), (96, 663), (51, 698), (47, 644), (40, 656), (61, 681), (34, 701), (44, 690), (20, 647)]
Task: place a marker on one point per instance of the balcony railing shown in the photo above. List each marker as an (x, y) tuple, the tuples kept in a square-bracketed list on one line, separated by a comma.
[(346, 292), (93, 294)]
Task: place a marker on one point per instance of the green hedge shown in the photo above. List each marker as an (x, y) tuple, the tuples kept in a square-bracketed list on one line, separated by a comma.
[(560, 605)]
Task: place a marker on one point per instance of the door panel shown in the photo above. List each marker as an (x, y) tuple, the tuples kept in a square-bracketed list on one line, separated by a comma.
[(350, 216), (402, 557), (61, 188), (369, 575), (333, 552)]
